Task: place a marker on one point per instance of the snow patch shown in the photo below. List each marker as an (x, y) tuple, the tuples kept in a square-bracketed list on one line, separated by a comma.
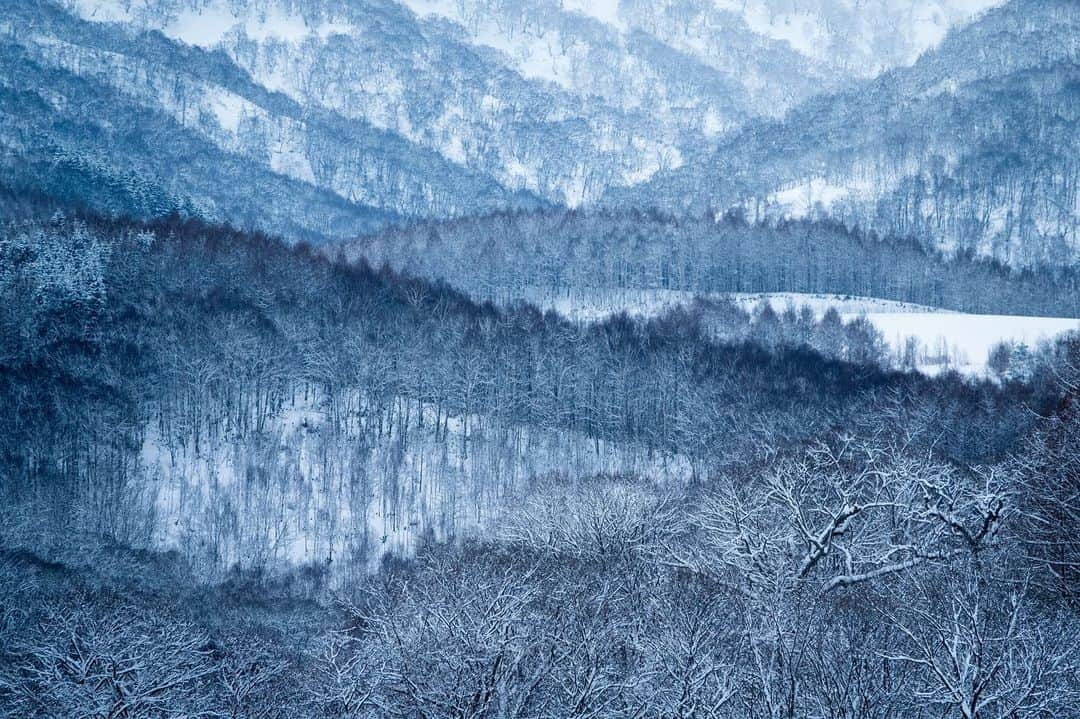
[(295, 492), (207, 27), (606, 11), (202, 28), (291, 162), (276, 25), (588, 305), (802, 199), (228, 108), (101, 10), (820, 304), (438, 8), (712, 124), (963, 341), (327, 29), (803, 31)]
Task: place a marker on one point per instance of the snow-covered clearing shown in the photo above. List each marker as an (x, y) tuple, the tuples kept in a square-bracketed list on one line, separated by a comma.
[(944, 339), (589, 305), (963, 341), (846, 305)]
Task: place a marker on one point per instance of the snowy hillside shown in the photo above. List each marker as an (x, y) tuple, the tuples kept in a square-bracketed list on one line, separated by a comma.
[(962, 342), (203, 98), (424, 80), (954, 150), (538, 359), (323, 495)]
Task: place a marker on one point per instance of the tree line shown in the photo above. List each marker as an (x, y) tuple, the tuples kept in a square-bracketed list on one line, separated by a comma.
[(498, 256), (851, 541)]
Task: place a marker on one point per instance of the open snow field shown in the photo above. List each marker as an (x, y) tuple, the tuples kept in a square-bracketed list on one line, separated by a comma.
[(584, 305), (845, 305), (966, 339), (947, 340), (956, 340)]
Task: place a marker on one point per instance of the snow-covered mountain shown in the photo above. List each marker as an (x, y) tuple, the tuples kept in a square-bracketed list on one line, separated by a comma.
[(268, 138), (440, 108), (635, 60), (563, 100), (855, 38), (973, 148), (426, 82)]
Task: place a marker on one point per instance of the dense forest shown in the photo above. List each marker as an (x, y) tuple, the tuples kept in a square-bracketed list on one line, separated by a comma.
[(503, 255), (972, 148), (202, 335), (765, 526), (539, 359)]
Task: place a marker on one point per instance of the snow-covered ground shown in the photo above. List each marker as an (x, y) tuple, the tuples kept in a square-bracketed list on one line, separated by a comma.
[(944, 339), (963, 341), (585, 305), (846, 305), (298, 494), (589, 305)]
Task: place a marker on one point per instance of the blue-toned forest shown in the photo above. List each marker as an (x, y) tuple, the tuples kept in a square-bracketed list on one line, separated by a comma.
[(500, 359)]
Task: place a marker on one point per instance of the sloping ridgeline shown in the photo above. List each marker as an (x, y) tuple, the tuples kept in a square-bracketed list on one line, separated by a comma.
[(127, 121), (157, 372), (252, 406), (972, 148), (502, 255)]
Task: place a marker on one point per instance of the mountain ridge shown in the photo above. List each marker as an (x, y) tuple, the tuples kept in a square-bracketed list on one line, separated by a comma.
[(951, 150)]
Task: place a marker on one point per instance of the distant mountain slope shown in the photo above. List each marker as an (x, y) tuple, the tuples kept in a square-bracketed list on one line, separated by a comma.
[(82, 144), (560, 98), (707, 87), (207, 95), (484, 105), (767, 56), (854, 38), (974, 148), (375, 62)]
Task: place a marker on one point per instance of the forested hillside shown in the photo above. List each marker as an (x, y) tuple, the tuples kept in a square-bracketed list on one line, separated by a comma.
[(371, 113), (182, 337), (506, 359), (850, 38), (639, 61), (110, 166), (61, 73), (509, 255), (254, 408), (972, 148), (423, 80)]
